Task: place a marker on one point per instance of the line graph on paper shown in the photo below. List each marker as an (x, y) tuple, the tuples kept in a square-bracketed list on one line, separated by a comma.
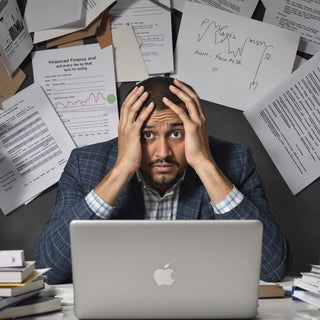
[(229, 49), (84, 104)]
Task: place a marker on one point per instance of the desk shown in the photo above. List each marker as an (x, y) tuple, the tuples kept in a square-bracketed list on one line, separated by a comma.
[(268, 309)]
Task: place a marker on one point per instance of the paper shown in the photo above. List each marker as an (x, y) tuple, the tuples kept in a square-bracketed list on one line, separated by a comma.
[(89, 31), (34, 147), (298, 15), (287, 121), (91, 10), (152, 23), (15, 41), (229, 59), (241, 7), (80, 83), (128, 59), (47, 14), (9, 84)]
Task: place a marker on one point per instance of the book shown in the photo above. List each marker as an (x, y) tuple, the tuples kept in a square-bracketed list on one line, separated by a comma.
[(271, 291), (11, 258), (306, 286), (17, 274), (315, 268), (17, 290), (307, 296), (311, 277), (32, 306), (8, 301), (36, 274)]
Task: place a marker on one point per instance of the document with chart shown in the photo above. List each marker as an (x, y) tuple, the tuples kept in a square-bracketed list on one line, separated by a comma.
[(80, 83), (229, 59), (34, 147), (15, 41)]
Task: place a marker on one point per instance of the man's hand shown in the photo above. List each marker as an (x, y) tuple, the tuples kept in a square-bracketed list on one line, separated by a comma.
[(194, 121), (129, 130), (132, 118), (197, 151)]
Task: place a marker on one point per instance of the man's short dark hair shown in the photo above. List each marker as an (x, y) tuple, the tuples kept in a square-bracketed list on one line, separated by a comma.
[(158, 87)]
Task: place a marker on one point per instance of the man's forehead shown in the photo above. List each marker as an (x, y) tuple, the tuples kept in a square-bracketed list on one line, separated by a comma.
[(160, 117)]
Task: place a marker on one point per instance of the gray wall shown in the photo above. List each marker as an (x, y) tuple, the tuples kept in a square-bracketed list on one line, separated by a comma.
[(298, 216)]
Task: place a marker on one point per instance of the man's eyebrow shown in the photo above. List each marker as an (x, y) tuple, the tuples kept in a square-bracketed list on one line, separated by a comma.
[(147, 126), (170, 125), (175, 124)]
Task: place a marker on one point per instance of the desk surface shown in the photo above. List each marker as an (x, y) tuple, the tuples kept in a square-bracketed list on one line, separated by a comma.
[(268, 309)]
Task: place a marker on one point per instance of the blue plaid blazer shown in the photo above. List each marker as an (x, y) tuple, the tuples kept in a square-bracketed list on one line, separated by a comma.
[(88, 165)]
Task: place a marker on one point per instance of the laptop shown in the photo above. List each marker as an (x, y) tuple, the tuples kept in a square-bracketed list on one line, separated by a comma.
[(188, 269)]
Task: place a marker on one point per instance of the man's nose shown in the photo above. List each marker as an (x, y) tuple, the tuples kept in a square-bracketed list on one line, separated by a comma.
[(163, 148)]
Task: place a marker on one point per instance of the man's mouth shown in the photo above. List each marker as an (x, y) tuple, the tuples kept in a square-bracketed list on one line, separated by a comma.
[(163, 166)]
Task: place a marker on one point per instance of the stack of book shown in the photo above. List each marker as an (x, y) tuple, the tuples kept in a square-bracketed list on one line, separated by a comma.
[(21, 287), (307, 287)]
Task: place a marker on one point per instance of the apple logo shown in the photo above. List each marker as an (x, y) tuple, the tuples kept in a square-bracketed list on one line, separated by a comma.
[(163, 277)]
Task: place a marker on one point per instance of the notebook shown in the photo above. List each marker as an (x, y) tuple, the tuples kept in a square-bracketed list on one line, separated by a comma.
[(166, 269)]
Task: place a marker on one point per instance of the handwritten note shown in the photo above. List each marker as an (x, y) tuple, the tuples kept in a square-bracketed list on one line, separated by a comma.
[(229, 59)]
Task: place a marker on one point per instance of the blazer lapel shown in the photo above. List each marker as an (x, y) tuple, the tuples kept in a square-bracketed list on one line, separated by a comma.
[(131, 202), (190, 198)]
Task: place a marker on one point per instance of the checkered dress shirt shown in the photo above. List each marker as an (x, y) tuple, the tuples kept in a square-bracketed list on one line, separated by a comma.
[(162, 208)]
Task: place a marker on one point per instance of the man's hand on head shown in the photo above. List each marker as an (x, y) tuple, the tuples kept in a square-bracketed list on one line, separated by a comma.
[(132, 118), (194, 121)]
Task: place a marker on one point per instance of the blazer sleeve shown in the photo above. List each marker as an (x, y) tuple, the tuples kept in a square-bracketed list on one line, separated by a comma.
[(52, 249), (276, 255)]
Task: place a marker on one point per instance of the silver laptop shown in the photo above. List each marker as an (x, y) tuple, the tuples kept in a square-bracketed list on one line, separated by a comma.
[(166, 269)]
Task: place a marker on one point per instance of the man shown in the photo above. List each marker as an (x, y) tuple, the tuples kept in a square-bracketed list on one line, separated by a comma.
[(162, 166)]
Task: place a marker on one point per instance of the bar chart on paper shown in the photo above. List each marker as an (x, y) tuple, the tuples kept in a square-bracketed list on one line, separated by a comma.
[(82, 91)]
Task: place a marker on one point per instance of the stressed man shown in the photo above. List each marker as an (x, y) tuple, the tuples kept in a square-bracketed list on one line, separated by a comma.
[(163, 165)]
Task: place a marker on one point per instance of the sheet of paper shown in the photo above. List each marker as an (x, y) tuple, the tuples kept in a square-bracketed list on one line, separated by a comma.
[(34, 147), (15, 41), (47, 14), (299, 15), (80, 82), (89, 31), (152, 23), (287, 121), (243, 8), (9, 84), (128, 58), (229, 59), (91, 10)]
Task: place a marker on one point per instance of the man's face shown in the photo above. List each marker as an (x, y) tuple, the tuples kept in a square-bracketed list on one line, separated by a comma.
[(163, 157)]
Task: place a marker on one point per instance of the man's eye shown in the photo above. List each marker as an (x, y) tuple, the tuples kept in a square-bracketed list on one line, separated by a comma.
[(176, 134), (147, 135)]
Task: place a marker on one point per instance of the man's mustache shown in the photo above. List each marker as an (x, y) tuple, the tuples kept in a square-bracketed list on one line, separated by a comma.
[(164, 161)]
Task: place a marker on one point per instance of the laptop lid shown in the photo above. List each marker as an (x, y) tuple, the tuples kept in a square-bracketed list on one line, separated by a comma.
[(166, 269)]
